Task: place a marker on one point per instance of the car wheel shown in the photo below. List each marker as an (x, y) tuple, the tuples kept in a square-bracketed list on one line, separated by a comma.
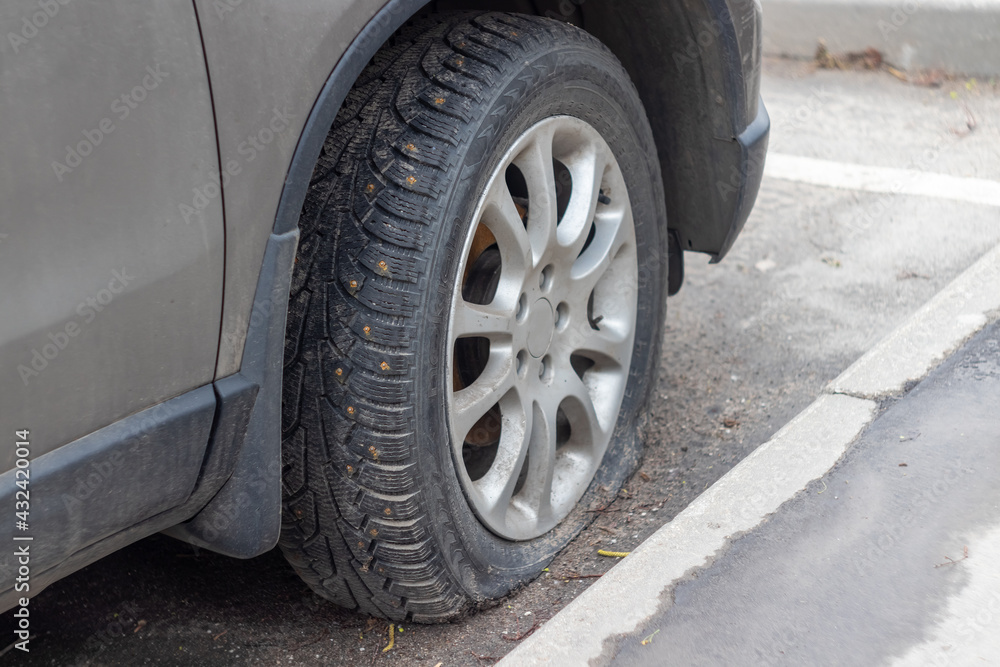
[(476, 315)]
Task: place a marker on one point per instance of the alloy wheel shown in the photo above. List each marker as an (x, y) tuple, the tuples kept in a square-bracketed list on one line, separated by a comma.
[(541, 328)]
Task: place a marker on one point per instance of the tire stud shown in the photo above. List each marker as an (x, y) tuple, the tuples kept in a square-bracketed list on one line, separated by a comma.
[(384, 366), (367, 330), (339, 372), (353, 284), (350, 470), (412, 148), (388, 511), (370, 189), (373, 452), (373, 532), (382, 265), (350, 409), (439, 101), (361, 545), (411, 180)]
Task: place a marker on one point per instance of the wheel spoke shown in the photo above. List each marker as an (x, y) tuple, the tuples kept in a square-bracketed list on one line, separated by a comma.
[(587, 169), (497, 486), (472, 319), (578, 404), (612, 228), (535, 499), (502, 218), (535, 164), (471, 403), (607, 342)]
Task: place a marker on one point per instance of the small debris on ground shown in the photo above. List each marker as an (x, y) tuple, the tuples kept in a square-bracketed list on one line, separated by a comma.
[(765, 265), (574, 575), (870, 58), (950, 561)]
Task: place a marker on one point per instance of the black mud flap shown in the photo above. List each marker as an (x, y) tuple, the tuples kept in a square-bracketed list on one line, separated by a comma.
[(675, 264)]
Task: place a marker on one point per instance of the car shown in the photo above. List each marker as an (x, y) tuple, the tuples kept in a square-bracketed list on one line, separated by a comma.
[(382, 283)]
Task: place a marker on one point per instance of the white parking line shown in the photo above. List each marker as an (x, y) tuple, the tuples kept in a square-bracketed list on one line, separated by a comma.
[(881, 179)]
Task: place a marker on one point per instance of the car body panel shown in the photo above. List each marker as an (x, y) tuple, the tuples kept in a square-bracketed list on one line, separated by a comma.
[(111, 300), (104, 484), (268, 62)]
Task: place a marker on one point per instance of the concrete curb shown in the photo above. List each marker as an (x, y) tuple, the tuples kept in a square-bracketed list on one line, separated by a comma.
[(804, 450), (958, 36)]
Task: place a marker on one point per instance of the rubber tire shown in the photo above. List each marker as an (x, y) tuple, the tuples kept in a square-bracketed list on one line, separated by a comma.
[(374, 517)]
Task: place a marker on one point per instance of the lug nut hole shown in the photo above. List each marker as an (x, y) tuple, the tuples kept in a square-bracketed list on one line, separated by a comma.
[(562, 316), (522, 307), (545, 370), (545, 279)]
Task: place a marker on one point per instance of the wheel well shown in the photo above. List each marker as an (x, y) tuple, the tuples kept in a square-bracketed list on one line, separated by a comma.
[(684, 60)]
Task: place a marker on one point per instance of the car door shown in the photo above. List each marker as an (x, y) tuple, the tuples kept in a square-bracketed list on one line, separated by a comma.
[(111, 241)]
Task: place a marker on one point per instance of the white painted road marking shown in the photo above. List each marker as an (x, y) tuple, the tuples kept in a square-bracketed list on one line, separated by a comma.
[(881, 179)]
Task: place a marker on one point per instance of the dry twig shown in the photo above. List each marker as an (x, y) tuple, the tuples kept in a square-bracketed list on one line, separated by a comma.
[(965, 554)]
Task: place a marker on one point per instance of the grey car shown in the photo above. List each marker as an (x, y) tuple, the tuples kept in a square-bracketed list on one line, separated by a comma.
[(382, 283)]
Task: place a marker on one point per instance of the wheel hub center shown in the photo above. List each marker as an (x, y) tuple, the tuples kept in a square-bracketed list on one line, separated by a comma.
[(541, 325)]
